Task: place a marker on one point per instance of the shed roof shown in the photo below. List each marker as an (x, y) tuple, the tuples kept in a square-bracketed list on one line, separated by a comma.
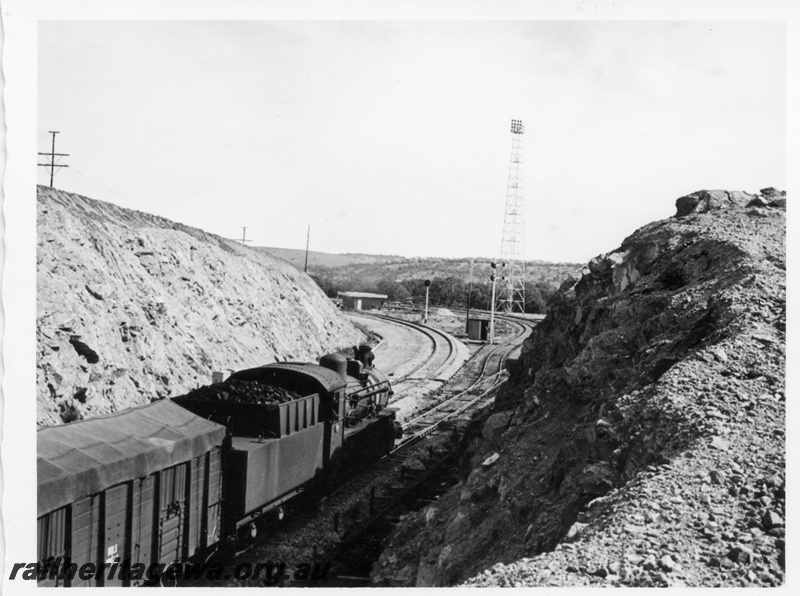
[(83, 458), (362, 295)]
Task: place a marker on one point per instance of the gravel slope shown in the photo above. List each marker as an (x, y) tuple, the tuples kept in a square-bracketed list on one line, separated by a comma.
[(133, 307), (641, 439)]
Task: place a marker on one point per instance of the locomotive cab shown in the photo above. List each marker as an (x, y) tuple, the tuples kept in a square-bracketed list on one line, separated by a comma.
[(370, 427), (367, 389)]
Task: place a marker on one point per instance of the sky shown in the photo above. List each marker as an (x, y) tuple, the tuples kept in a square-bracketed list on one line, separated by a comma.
[(392, 137)]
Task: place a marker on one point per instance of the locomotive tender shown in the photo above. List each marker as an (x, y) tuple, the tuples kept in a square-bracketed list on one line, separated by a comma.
[(172, 480)]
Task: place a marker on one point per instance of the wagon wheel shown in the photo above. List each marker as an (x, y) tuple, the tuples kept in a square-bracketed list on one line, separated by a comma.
[(247, 534), (279, 513), (167, 582)]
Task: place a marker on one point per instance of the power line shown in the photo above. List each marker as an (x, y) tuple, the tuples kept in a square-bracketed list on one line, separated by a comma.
[(143, 208), (53, 165), (127, 200), (243, 240)]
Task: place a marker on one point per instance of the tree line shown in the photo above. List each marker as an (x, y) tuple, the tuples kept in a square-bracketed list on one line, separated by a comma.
[(449, 291)]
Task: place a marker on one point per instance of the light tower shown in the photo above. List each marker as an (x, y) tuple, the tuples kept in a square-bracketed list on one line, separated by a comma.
[(511, 287)]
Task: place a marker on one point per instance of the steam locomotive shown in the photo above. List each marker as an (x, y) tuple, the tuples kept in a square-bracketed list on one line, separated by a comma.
[(173, 480)]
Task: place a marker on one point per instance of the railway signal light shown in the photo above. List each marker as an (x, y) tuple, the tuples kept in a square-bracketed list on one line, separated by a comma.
[(491, 319), (427, 287)]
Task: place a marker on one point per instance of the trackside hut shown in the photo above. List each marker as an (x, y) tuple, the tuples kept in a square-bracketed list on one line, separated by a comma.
[(362, 300), (142, 485)]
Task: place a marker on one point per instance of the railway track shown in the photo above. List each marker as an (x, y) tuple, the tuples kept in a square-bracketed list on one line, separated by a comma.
[(442, 357), (422, 486), (443, 352), (453, 402), (363, 509)]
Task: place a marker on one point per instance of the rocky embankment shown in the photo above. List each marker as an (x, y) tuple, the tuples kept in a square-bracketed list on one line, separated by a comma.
[(641, 438), (132, 307)]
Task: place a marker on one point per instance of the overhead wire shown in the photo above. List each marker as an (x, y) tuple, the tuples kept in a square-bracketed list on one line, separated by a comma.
[(127, 200), (131, 202)]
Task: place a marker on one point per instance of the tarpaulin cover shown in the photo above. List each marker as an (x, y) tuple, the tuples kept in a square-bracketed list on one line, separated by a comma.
[(83, 458)]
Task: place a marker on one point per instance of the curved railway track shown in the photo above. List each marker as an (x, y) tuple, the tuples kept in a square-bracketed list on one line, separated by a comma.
[(418, 487), (411, 486), (490, 376), (442, 356), (453, 403)]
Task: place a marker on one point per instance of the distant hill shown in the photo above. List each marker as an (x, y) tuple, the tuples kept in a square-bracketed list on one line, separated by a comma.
[(401, 277), (368, 270), (297, 256), (402, 269)]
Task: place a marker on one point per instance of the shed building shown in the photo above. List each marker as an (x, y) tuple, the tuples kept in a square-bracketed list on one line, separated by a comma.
[(478, 329), (362, 300)]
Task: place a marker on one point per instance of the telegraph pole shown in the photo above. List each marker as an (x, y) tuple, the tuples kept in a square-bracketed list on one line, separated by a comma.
[(52, 165), (244, 230), (308, 237), (243, 240), (469, 292), (491, 318)]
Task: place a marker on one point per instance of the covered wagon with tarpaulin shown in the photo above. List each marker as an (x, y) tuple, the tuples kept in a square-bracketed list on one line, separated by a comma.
[(142, 486)]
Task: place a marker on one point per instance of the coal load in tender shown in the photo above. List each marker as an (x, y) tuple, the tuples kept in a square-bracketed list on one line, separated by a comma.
[(246, 392)]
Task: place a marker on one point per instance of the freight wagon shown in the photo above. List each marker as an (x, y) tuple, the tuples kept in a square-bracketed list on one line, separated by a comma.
[(144, 485), (170, 481)]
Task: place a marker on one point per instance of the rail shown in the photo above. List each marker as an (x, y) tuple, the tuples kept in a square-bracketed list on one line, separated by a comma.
[(439, 359)]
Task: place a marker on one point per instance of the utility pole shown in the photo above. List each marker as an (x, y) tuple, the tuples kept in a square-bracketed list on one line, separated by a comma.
[(308, 237), (469, 292), (53, 165), (491, 318), (243, 240)]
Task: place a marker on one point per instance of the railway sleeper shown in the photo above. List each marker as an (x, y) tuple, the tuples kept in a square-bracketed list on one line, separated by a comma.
[(431, 461), (354, 581), (361, 544), (409, 474)]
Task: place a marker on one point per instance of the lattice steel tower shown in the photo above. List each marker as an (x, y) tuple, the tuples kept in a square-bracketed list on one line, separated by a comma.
[(511, 289)]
